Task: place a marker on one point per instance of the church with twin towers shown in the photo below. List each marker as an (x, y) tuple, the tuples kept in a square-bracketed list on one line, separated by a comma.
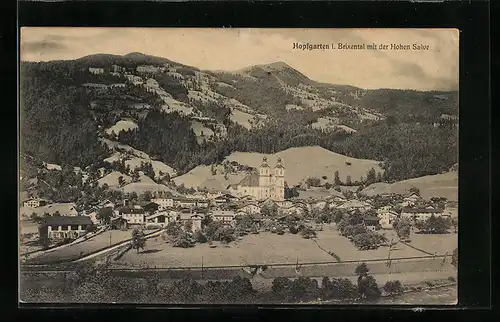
[(268, 183)]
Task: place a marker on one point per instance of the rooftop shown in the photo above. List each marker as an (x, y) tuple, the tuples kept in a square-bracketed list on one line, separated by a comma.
[(67, 220)]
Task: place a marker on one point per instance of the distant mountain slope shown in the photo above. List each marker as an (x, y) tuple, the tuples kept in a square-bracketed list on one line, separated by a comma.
[(439, 185), (260, 109)]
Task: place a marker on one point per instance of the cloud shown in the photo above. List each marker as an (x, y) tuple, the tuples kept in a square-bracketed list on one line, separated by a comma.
[(234, 49), (42, 46)]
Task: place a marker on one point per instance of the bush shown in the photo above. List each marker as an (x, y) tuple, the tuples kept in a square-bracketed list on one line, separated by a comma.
[(199, 237), (393, 287), (308, 233), (368, 288), (293, 230), (338, 288), (367, 240)]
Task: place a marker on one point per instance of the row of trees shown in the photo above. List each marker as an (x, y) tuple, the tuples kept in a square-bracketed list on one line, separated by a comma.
[(96, 284)]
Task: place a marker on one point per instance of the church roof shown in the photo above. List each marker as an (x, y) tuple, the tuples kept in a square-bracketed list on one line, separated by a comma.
[(251, 180)]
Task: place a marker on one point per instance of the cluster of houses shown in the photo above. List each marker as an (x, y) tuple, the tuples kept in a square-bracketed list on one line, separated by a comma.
[(224, 207)]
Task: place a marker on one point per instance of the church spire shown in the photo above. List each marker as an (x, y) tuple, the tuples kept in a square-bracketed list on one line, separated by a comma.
[(279, 165), (264, 163)]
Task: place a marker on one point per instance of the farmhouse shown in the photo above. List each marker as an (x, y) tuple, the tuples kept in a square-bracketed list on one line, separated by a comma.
[(148, 69), (160, 218), (410, 199), (117, 85), (106, 204), (268, 183), (249, 209), (387, 218), (226, 217), (133, 215), (416, 214), (225, 198), (96, 71), (163, 203), (34, 202), (187, 215), (371, 222), (55, 228), (118, 223)]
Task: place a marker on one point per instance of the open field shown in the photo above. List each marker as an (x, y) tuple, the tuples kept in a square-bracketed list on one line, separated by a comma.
[(435, 243), (75, 251), (264, 248), (330, 240), (268, 248)]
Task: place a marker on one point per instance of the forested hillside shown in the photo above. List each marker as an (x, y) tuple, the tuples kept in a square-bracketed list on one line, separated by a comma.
[(62, 120)]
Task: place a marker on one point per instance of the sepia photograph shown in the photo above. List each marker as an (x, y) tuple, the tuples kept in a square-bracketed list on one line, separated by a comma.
[(173, 166)]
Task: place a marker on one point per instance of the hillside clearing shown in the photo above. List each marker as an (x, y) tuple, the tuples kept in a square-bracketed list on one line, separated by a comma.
[(123, 125), (439, 185)]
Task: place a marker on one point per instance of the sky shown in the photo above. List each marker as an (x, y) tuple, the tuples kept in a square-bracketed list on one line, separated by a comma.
[(231, 49)]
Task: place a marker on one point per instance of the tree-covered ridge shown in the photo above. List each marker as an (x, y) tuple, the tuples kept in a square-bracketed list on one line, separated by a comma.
[(55, 122), (61, 121)]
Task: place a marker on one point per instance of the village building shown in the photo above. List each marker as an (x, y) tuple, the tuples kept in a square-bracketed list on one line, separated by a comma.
[(420, 214), (134, 215), (60, 227), (96, 71), (117, 69), (387, 218), (268, 183), (163, 203), (249, 209), (227, 217), (354, 204), (410, 200), (161, 218), (34, 203), (117, 85), (149, 69), (57, 209), (95, 86), (372, 222), (118, 223), (224, 199), (187, 215)]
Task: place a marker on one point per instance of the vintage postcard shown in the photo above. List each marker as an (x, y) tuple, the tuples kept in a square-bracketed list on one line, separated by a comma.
[(240, 166)]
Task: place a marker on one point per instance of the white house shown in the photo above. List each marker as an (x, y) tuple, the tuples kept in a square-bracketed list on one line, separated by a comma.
[(60, 227), (133, 215), (387, 218), (410, 200), (250, 209), (34, 202), (163, 203), (420, 214), (96, 71), (225, 216)]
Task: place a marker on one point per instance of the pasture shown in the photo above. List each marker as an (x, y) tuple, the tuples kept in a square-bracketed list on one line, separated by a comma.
[(267, 248), (76, 251)]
